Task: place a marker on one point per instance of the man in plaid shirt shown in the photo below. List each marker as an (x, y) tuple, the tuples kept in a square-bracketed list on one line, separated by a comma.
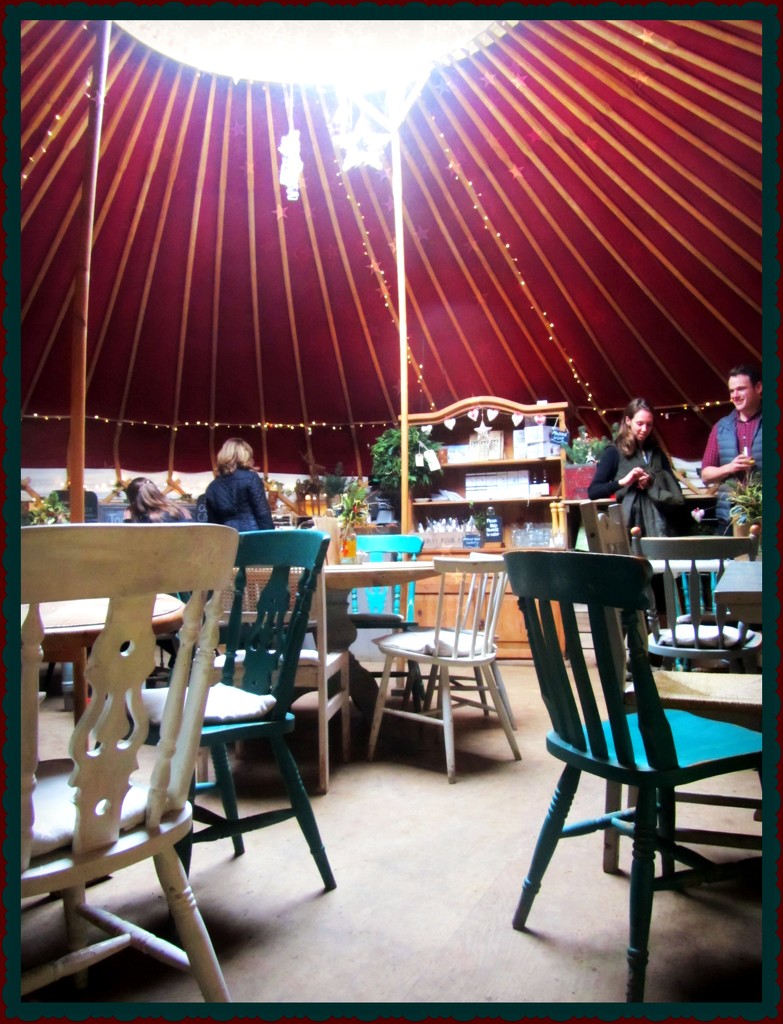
[(734, 446)]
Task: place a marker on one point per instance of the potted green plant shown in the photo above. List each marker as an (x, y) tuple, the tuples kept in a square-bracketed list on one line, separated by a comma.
[(353, 511), (48, 511), (582, 454), (335, 483), (387, 461), (745, 503), (585, 449)]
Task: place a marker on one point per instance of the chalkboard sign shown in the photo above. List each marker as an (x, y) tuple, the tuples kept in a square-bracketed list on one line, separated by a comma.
[(559, 436), (471, 540), (111, 513), (200, 514), (493, 531)]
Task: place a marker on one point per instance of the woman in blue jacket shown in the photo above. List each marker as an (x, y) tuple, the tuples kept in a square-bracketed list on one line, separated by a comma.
[(236, 497)]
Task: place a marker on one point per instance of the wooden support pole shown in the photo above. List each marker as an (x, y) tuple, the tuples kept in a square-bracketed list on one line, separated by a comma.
[(76, 441)]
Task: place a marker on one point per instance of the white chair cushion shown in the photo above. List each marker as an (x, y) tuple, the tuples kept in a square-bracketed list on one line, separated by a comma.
[(708, 637), (55, 811), (422, 642), (224, 704)]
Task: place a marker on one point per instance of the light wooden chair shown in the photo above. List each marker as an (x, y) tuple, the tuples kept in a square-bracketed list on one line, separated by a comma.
[(653, 750), (320, 668), (462, 639), (90, 814), (316, 671), (696, 633), (317, 666)]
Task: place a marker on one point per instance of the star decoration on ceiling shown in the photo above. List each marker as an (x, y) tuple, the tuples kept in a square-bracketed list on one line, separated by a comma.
[(363, 146), (516, 172)]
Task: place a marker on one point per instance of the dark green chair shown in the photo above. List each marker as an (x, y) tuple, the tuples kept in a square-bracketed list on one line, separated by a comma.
[(655, 750), (259, 707)]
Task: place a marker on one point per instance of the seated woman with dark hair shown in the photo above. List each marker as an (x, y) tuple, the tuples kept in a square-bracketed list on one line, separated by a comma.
[(148, 504)]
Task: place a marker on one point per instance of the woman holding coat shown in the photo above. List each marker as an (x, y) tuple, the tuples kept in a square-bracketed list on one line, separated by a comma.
[(636, 470)]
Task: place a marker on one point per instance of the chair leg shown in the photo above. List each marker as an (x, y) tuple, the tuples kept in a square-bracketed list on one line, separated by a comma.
[(323, 736), (430, 691), (300, 802), (503, 694), (444, 697), (190, 927), (75, 928), (379, 704), (481, 688), (225, 784), (613, 802), (641, 898), (548, 838), (666, 826), (345, 712), (500, 707)]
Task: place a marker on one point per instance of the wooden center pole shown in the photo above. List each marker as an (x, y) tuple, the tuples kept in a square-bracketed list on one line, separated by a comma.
[(76, 440)]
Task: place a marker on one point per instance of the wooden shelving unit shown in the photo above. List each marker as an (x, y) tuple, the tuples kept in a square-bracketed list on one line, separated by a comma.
[(508, 500)]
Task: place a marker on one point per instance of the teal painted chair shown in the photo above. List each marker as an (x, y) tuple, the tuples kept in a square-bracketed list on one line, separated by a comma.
[(259, 708), (654, 749), (387, 607), (391, 608)]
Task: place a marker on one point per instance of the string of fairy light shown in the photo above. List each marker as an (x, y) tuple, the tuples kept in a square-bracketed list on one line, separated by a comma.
[(362, 134), (504, 248), (155, 425), (60, 118)]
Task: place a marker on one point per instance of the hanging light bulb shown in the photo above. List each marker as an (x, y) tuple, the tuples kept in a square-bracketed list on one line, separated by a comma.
[(291, 166)]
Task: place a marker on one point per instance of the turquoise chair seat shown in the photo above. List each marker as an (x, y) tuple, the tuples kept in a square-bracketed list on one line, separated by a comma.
[(655, 750)]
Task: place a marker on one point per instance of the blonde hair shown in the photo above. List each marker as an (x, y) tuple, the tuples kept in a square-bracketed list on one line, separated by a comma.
[(235, 454)]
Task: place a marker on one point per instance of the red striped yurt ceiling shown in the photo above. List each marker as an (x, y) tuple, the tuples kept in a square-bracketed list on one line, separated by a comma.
[(582, 221)]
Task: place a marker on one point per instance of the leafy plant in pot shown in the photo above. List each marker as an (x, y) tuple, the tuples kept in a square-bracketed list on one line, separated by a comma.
[(582, 454), (746, 504), (47, 511), (387, 462)]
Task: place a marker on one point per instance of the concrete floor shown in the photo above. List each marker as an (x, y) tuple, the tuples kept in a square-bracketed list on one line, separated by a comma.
[(428, 879)]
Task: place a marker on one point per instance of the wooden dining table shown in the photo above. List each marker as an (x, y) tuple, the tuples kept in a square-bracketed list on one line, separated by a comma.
[(71, 627), (739, 590), (339, 580)]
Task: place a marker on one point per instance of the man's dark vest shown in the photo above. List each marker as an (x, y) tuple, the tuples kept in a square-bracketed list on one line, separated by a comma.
[(727, 450)]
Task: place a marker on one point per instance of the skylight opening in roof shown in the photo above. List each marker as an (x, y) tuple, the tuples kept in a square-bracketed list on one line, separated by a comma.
[(362, 56)]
